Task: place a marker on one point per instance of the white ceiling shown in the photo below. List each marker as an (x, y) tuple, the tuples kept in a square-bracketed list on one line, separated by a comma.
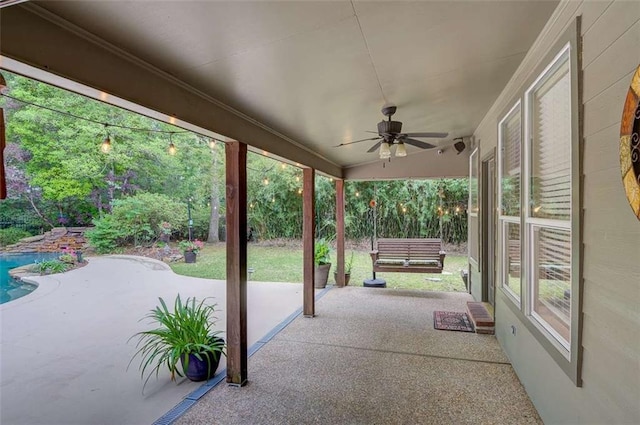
[(319, 72)]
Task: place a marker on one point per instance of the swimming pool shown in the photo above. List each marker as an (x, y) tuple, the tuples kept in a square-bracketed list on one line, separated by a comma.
[(10, 289)]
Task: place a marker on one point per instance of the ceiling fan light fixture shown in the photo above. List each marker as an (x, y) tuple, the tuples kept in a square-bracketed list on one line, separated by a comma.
[(385, 151), (401, 150)]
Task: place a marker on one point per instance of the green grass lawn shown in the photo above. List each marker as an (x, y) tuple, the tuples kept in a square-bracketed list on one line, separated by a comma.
[(284, 264)]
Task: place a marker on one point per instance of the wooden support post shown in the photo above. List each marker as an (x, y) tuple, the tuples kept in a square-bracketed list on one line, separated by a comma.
[(236, 173), (308, 236), (340, 279)]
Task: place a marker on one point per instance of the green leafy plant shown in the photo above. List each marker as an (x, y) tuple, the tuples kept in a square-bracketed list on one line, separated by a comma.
[(348, 264), (188, 329), (322, 250), (191, 246), (12, 235), (50, 267)]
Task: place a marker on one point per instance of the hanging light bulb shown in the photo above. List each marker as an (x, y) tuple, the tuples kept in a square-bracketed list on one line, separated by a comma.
[(401, 150), (212, 143), (266, 181), (385, 152), (106, 145), (172, 148)]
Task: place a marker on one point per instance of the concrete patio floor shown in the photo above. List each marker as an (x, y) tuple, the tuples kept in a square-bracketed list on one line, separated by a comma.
[(371, 356), (64, 350)]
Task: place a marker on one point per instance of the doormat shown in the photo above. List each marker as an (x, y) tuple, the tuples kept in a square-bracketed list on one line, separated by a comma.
[(452, 321)]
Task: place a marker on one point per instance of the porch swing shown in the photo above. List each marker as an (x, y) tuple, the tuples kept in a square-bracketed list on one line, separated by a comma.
[(406, 255)]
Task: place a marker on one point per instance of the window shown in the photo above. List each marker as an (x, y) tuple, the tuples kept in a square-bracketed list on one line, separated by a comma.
[(473, 238), (549, 199), (539, 261), (509, 174)]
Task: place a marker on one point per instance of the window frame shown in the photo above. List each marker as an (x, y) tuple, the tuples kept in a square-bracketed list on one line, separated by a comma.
[(474, 209), (504, 219), (569, 359)]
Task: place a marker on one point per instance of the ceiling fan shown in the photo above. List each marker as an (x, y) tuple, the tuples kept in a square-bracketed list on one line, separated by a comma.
[(390, 133)]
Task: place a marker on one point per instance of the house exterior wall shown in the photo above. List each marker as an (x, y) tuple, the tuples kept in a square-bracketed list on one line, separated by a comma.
[(611, 233)]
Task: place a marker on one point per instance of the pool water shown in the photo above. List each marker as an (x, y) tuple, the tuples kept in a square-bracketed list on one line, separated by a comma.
[(11, 289)]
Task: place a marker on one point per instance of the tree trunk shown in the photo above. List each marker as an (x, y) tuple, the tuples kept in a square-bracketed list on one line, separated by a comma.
[(214, 219)]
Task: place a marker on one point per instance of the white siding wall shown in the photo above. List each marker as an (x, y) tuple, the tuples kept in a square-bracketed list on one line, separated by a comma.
[(611, 334)]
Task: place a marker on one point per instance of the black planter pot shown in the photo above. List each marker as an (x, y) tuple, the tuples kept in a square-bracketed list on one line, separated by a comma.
[(189, 257), (202, 370)]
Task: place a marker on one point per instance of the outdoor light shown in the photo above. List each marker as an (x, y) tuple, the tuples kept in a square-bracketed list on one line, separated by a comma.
[(172, 148), (459, 146), (385, 152), (106, 145), (401, 150), (266, 181), (212, 143)]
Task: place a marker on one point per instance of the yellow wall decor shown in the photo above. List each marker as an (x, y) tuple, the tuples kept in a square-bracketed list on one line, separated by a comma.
[(630, 144)]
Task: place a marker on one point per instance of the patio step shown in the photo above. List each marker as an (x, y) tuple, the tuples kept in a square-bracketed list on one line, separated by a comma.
[(482, 320)]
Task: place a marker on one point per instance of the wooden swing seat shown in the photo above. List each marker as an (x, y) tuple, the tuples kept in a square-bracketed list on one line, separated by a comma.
[(423, 255)]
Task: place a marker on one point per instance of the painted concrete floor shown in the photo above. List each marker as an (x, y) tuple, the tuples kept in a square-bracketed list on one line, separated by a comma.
[(64, 348)]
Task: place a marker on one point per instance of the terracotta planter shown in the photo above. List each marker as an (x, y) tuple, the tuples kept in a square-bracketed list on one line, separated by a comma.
[(189, 257), (321, 275), (347, 277)]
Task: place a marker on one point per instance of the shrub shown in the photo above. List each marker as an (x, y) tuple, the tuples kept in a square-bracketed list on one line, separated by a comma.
[(12, 235), (51, 266), (136, 220), (105, 236)]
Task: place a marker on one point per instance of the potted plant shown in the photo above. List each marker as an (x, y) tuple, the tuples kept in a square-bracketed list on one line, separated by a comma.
[(184, 335), (190, 249), (322, 263), (347, 270)]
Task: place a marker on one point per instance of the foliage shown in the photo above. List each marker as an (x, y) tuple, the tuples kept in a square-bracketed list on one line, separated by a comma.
[(191, 246), (136, 220), (68, 256), (188, 329), (348, 264), (12, 235), (105, 235), (322, 250), (51, 267)]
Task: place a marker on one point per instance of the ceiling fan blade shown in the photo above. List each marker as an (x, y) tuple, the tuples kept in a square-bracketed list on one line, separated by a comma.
[(356, 141), (434, 135), (374, 147), (417, 143)]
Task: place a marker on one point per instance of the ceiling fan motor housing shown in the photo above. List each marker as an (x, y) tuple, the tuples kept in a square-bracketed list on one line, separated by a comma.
[(389, 127)]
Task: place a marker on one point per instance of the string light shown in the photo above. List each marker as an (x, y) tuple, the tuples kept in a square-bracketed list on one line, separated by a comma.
[(299, 191), (266, 181), (172, 148), (105, 147), (284, 165), (106, 143), (357, 194)]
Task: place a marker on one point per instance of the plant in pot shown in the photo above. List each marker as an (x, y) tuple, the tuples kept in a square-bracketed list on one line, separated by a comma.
[(347, 270), (322, 263), (190, 249), (184, 341)]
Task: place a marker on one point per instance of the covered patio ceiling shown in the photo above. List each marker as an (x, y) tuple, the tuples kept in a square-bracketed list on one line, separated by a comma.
[(291, 78)]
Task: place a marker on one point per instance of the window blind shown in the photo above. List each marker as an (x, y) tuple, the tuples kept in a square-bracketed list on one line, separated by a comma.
[(511, 141), (550, 192)]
